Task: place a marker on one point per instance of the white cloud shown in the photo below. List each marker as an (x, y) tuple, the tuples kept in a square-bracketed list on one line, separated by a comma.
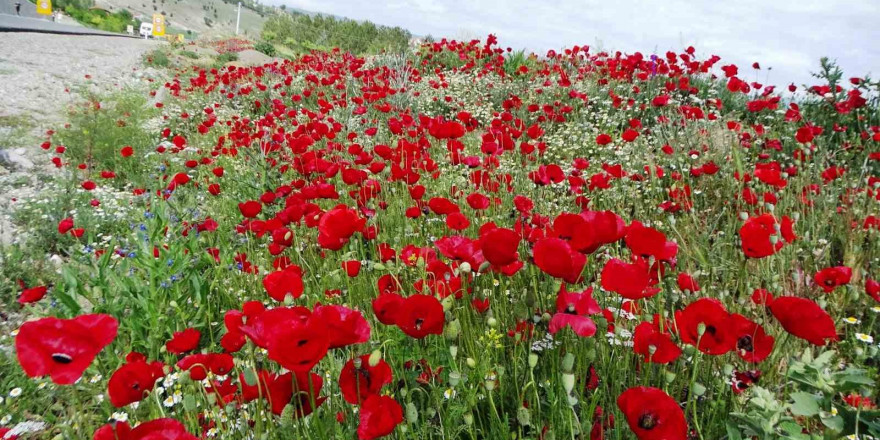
[(788, 35)]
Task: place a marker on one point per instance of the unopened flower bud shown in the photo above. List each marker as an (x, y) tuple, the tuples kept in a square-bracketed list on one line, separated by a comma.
[(568, 363), (375, 357), (568, 382)]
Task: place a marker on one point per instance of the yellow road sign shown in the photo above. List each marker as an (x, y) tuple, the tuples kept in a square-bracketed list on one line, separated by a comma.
[(44, 7), (158, 25)]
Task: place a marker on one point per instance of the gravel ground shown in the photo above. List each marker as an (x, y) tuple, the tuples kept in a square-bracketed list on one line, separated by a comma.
[(39, 74)]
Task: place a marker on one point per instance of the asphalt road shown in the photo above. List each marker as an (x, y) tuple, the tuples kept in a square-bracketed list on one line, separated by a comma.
[(30, 21), (28, 9)]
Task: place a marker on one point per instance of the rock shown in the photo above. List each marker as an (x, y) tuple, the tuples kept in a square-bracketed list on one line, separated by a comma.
[(16, 158)]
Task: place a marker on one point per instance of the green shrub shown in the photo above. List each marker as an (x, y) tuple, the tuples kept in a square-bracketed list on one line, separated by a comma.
[(227, 57), (157, 58), (265, 47)]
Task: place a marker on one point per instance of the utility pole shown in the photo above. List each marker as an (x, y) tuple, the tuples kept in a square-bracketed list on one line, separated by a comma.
[(238, 19)]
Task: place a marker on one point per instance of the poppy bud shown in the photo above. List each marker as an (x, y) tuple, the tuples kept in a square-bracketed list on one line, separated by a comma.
[(379, 266), (288, 299), (453, 351), (465, 267), (490, 384), (468, 419), (523, 416), (530, 298), (375, 357), (743, 216), (669, 377), (288, 415), (483, 266), (250, 377), (493, 323), (412, 413), (727, 369), (699, 389), (189, 403), (545, 317), (471, 362), (453, 330), (568, 363), (533, 360), (454, 378), (701, 329)]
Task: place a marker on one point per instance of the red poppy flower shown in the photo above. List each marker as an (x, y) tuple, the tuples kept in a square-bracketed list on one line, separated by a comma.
[(32, 295), (629, 280), (603, 139), (556, 258), (343, 326), (287, 281), (387, 307), (499, 246), (649, 242), (133, 380), (753, 344), (379, 416), (63, 348), (607, 228), (352, 268), (420, 316), (804, 319), (250, 209), (126, 151), (629, 135), (653, 344), (337, 226), (65, 225), (298, 388), (184, 341), (652, 414), (158, 429), (710, 316), (872, 288), (359, 380), (199, 364), (756, 235), (687, 282), (829, 278), (298, 345)]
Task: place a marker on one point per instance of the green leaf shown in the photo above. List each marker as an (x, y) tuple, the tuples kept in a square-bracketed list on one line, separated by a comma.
[(833, 422), (733, 431), (805, 404)]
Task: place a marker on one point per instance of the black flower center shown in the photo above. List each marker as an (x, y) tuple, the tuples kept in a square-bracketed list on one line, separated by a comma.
[(419, 322), (745, 343), (62, 358), (302, 342), (647, 421)]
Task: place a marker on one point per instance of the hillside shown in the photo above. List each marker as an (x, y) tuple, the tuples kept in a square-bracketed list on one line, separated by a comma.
[(204, 17)]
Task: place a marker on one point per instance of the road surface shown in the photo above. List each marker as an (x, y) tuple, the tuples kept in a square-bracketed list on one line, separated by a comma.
[(30, 21)]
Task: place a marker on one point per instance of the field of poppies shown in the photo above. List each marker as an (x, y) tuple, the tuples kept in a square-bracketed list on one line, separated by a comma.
[(458, 242)]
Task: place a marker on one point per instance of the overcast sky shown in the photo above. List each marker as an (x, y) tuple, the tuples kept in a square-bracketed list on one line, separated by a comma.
[(788, 35)]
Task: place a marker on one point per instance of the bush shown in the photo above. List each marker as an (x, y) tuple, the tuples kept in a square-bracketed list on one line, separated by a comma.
[(227, 57), (157, 58), (265, 47)]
